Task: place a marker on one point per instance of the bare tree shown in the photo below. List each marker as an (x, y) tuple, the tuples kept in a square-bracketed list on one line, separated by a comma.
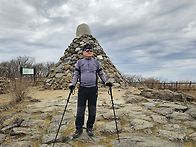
[(4, 69), (42, 69), (11, 69), (134, 78)]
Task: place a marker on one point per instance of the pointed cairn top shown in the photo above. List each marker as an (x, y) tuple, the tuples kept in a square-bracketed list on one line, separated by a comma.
[(83, 29)]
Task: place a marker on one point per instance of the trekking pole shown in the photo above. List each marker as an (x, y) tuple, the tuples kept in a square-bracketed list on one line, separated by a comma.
[(110, 93), (62, 116)]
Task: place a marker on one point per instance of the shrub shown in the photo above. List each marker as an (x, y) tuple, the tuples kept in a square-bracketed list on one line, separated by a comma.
[(19, 89)]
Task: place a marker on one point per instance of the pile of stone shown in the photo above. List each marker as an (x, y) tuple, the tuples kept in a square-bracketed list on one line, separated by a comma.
[(4, 83), (61, 74)]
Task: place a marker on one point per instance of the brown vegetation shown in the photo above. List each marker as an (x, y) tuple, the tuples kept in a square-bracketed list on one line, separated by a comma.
[(19, 89), (11, 69), (155, 83)]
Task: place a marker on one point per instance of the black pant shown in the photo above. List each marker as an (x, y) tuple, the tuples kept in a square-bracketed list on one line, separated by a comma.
[(85, 94)]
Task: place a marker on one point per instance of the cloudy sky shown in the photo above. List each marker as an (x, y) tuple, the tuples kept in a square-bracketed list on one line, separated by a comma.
[(152, 38)]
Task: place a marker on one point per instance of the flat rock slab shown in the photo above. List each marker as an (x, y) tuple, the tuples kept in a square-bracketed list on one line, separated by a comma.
[(163, 111), (139, 124), (49, 138), (192, 112), (85, 139), (191, 124), (171, 135), (110, 128), (159, 119), (19, 144), (56, 145), (2, 138), (134, 99), (32, 123), (165, 95), (139, 141), (142, 116), (149, 105), (193, 136), (176, 107), (180, 116), (22, 130)]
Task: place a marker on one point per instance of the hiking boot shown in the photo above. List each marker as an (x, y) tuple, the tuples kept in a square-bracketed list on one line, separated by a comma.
[(77, 133), (89, 132)]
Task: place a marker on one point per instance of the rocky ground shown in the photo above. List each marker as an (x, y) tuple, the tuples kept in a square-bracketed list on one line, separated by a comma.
[(146, 118)]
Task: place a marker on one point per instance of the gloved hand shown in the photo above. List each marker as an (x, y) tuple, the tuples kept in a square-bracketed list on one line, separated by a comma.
[(71, 87), (109, 84)]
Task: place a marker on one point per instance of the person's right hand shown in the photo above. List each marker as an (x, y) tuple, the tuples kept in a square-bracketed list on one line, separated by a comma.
[(71, 87)]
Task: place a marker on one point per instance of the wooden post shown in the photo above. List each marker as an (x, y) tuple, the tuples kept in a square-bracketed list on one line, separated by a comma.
[(34, 76), (152, 85), (190, 85), (176, 87)]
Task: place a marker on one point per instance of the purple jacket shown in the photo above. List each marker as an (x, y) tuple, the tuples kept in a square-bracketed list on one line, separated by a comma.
[(86, 71)]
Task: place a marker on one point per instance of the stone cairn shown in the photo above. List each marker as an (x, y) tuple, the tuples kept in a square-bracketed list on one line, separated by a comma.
[(61, 74)]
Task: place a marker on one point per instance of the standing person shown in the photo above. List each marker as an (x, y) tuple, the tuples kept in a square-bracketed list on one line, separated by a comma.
[(87, 71)]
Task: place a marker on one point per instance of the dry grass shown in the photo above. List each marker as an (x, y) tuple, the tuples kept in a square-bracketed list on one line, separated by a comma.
[(19, 89), (192, 93)]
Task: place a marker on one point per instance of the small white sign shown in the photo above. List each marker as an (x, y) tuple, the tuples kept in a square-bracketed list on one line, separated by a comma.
[(28, 71)]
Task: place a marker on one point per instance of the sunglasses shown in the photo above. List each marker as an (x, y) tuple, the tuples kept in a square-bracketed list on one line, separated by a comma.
[(88, 50)]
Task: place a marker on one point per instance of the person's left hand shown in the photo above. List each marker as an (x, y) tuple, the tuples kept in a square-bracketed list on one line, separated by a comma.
[(109, 84)]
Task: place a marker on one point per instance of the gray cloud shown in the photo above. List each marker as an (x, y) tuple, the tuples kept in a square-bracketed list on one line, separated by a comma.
[(146, 37)]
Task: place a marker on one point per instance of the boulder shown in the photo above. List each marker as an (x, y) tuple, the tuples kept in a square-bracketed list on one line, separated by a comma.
[(166, 95), (192, 112)]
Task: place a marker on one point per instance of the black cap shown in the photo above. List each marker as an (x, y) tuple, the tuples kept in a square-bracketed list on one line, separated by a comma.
[(87, 46)]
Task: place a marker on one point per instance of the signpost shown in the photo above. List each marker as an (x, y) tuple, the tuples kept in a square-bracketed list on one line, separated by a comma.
[(25, 71), (28, 71)]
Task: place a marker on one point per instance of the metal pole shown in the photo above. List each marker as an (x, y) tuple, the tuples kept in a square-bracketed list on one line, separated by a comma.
[(62, 117), (114, 113)]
